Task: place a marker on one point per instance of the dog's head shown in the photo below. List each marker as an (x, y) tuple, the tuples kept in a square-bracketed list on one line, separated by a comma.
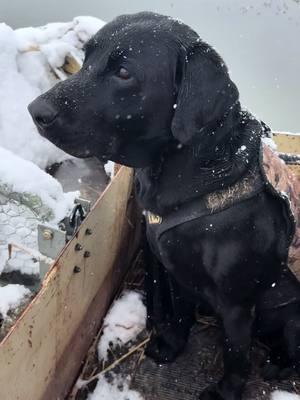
[(146, 80)]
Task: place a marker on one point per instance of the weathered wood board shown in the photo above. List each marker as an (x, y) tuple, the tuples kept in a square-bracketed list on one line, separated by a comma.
[(289, 143), (42, 354)]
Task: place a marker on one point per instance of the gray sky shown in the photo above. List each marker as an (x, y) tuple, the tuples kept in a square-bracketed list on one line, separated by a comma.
[(259, 40)]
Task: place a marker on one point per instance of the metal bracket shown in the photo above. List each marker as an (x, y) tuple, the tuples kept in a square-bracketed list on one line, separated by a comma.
[(52, 240)]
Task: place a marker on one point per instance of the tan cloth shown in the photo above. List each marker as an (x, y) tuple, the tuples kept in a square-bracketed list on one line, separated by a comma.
[(287, 185)]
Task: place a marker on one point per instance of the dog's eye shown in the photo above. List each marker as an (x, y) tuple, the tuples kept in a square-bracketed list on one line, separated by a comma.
[(123, 73)]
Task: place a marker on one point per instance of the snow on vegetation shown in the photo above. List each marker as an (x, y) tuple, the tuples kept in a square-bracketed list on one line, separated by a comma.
[(26, 178), (125, 320), (281, 395)]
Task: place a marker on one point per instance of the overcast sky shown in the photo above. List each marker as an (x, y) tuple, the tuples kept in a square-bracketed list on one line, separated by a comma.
[(259, 40)]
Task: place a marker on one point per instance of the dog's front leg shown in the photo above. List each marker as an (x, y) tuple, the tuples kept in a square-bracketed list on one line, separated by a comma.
[(170, 314), (237, 327)]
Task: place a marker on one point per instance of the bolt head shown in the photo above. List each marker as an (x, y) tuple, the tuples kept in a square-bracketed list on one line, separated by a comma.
[(47, 234), (78, 247)]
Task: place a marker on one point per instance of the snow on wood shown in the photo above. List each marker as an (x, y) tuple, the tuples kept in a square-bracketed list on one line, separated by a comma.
[(44, 194)]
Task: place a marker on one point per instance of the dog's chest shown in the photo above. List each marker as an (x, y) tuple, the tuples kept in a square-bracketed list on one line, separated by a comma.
[(234, 250), (181, 179), (211, 203)]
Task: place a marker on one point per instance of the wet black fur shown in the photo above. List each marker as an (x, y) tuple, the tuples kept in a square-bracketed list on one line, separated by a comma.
[(177, 116)]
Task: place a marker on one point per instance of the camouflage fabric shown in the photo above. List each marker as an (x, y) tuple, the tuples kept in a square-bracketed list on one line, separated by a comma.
[(281, 181)]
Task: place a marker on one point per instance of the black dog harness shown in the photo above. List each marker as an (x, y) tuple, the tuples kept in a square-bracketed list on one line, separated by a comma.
[(270, 173), (249, 186)]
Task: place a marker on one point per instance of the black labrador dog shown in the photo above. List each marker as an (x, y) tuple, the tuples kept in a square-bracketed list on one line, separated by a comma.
[(152, 95)]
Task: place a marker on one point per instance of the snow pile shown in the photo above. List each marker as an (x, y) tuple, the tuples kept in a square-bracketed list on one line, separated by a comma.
[(17, 130), (11, 296), (125, 320), (24, 177), (280, 395), (118, 389), (31, 62)]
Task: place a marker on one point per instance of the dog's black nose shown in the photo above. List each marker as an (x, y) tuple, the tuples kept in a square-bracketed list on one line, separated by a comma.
[(42, 112)]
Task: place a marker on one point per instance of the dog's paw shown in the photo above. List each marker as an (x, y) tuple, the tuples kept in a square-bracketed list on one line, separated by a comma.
[(211, 393), (162, 351)]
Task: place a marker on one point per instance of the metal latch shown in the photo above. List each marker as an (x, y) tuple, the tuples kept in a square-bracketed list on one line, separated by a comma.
[(52, 240)]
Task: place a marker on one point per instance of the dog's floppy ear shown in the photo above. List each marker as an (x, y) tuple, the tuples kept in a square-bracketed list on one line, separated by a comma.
[(205, 94)]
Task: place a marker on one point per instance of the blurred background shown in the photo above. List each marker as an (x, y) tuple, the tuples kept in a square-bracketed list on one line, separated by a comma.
[(259, 40)]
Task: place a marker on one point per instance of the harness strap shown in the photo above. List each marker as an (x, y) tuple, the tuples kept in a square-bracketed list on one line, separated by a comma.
[(247, 187)]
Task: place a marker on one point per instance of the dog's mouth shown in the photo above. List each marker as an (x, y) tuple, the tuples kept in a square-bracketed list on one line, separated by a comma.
[(86, 138), (76, 145)]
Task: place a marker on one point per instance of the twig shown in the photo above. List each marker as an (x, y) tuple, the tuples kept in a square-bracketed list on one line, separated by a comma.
[(81, 382), (35, 255)]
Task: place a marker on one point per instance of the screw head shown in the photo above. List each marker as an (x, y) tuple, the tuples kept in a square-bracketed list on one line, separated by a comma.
[(47, 234), (76, 269), (78, 247), (87, 254), (88, 231)]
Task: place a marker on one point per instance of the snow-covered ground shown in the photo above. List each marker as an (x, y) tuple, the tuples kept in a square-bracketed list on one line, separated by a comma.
[(124, 322)]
